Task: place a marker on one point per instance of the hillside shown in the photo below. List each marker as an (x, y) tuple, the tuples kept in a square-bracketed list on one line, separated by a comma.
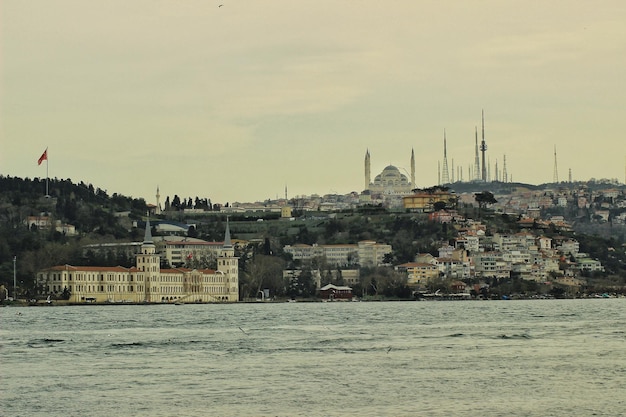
[(98, 217)]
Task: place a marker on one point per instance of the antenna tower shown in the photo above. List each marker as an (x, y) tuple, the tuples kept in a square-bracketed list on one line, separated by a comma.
[(483, 149), (504, 173), (476, 159), (438, 172), (555, 175), (452, 170), (445, 176)]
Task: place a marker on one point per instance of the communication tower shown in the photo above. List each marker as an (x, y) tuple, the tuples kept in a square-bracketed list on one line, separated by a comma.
[(445, 173), (483, 149), (555, 175)]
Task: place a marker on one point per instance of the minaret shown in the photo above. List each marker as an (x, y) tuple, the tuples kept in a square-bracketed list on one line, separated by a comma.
[(413, 169), (368, 174), (477, 159), (148, 264), (228, 266), (483, 149), (445, 175), (157, 210), (555, 175)]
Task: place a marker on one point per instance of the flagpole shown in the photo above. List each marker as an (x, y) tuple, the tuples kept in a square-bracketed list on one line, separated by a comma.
[(47, 194)]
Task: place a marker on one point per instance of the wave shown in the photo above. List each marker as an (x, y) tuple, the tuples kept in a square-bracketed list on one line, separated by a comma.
[(515, 336), (40, 343)]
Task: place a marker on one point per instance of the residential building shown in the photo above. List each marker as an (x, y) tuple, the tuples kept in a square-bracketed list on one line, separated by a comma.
[(425, 200), (44, 222), (419, 274), (365, 253)]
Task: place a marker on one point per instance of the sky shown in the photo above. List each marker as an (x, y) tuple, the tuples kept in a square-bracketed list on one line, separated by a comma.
[(237, 100)]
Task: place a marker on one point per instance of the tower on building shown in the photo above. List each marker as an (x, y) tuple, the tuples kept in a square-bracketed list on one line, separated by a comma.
[(228, 265), (148, 263)]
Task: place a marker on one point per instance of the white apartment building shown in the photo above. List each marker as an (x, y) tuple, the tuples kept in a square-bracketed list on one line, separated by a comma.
[(491, 264), (569, 247), (365, 253)]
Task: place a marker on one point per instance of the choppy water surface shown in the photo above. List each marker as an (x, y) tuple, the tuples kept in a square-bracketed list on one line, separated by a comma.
[(492, 358)]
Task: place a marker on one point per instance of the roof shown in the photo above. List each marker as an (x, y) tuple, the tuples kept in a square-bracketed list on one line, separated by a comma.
[(335, 287), (188, 243), (417, 265), (67, 267), (124, 270)]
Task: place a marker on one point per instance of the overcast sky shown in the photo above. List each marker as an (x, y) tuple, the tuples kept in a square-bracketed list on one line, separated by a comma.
[(234, 100)]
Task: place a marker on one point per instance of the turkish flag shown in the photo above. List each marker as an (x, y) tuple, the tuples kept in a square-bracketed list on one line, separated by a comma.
[(43, 157)]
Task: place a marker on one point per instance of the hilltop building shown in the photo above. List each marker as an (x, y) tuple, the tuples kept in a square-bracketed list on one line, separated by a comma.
[(390, 180), (147, 281), (425, 200)]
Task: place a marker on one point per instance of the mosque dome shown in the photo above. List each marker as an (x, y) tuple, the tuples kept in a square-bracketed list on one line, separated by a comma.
[(391, 178)]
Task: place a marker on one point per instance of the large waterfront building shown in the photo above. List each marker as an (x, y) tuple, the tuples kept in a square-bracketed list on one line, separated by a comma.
[(147, 281)]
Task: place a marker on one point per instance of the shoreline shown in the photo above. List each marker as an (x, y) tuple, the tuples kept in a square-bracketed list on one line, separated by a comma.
[(62, 303)]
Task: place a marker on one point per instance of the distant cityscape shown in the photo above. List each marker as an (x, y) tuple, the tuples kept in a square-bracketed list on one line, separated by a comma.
[(543, 249)]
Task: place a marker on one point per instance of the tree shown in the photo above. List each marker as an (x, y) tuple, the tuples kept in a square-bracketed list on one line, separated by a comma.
[(66, 294), (303, 285), (484, 199), (263, 272), (440, 205)]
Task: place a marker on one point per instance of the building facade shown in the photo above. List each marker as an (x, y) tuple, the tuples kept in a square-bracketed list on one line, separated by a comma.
[(146, 282), (365, 253)]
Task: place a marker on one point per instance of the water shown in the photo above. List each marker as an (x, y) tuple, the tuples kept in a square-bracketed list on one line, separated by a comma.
[(491, 358)]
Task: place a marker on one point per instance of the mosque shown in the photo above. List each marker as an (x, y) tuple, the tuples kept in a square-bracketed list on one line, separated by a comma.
[(390, 181)]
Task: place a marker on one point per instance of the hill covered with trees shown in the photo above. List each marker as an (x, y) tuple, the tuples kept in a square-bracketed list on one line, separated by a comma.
[(102, 218)]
